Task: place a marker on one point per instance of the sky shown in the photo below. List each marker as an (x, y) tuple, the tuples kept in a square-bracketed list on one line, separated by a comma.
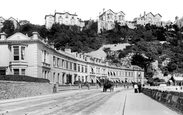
[(35, 10)]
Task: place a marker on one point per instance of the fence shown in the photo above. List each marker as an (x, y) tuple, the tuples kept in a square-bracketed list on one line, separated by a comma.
[(172, 99)]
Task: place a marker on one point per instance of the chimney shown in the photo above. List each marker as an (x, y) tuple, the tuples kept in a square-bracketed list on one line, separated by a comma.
[(144, 13), (35, 35), (3, 36), (99, 13), (52, 45), (103, 10)]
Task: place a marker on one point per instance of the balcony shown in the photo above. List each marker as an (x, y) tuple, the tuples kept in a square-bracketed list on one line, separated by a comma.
[(92, 73), (18, 63), (46, 65)]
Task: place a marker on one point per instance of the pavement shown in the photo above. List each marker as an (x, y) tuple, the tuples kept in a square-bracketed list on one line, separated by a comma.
[(140, 104)]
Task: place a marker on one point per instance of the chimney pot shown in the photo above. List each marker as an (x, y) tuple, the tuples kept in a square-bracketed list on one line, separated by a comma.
[(35, 35), (3, 36)]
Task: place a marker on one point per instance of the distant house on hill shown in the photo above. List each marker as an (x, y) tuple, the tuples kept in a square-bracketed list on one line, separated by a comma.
[(65, 18), (107, 19), (15, 22), (149, 18)]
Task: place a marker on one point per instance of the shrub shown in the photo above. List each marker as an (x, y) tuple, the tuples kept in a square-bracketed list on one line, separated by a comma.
[(23, 78)]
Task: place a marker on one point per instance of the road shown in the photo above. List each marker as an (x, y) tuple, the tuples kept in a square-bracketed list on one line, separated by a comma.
[(86, 102), (81, 102)]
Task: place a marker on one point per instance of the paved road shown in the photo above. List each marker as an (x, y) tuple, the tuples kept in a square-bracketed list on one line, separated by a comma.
[(83, 102)]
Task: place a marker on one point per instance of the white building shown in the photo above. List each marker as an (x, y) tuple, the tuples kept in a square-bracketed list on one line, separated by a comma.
[(149, 18), (33, 56), (107, 19), (63, 18)]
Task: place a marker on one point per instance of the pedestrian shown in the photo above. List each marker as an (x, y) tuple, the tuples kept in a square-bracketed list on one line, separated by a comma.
[(54, 89), (88, 86), (79, 85), (139, 87), (135, 88)]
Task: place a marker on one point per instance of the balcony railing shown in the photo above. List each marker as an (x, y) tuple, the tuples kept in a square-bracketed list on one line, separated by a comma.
[(18, 63), (46, 65)]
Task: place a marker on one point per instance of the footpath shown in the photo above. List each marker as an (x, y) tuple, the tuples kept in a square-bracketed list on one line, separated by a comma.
[(140, 104)]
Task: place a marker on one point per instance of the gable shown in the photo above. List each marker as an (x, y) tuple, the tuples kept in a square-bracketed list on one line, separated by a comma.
[(121, 13), (158, 15), (149, 14), (18, 36), (13, 19), (2, 19)]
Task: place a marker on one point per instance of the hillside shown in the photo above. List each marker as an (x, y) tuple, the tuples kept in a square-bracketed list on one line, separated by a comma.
[(144, 42), (114, 47)]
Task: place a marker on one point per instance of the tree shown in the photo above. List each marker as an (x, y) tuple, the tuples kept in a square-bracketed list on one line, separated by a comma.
[(8, 27)]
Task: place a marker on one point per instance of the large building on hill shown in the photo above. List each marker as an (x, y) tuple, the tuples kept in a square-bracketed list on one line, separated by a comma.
[(33, 56), (107, 19), (149, 18), (179, 21), (63, 18), (15, 22)]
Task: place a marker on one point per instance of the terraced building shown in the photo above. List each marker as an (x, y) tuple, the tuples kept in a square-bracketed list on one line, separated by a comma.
[(33, 56)]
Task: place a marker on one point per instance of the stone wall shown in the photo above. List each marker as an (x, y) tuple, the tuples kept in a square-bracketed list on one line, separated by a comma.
[(13, 89), (172, 99)]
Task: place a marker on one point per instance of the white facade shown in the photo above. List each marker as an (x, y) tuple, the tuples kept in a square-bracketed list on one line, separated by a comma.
[(63, 18), (149, 18), (107, 20), (23, 55)]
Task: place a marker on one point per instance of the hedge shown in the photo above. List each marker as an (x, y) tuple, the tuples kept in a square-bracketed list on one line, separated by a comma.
[(23, 78)]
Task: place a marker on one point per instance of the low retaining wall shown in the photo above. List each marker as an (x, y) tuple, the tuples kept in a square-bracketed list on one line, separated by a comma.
[(171, 99), (13, 89)]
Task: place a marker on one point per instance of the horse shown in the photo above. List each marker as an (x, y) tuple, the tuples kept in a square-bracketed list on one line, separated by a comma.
[(108, 85)]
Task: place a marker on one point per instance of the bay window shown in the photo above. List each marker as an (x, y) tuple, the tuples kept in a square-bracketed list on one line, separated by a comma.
[(19, 71), (16, 71), (18, 52)]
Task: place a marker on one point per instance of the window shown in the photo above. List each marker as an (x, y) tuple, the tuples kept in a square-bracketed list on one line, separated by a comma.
[(54, 77), (58, 62), (44, 56), (54, 61), (67, 65), (16, 71), (60, 20), (82, 69), (63, 64), (18, 53), (75, 68), (71, 65), (58, 78), (22, 53), (78, 68), (108, 16), (85, 69), (23, 72)]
